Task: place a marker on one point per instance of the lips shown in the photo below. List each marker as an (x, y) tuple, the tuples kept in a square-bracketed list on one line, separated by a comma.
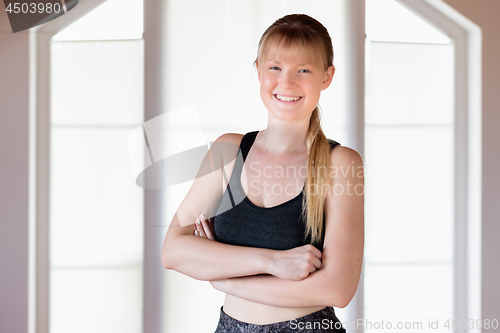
[(284, 98)]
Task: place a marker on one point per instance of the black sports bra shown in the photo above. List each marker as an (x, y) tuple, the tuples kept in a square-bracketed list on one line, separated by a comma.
[(240, 222)]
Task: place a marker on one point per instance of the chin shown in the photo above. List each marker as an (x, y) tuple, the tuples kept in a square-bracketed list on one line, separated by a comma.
[(289, 116)]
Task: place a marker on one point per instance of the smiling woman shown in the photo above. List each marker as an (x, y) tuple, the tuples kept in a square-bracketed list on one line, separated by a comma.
[(287, 255), (286, 84), (293, 70)]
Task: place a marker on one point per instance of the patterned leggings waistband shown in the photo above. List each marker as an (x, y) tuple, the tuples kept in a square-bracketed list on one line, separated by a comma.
[(323, 320)]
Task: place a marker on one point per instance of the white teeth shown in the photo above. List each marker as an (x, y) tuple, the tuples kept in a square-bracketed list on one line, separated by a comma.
[(286, 98)]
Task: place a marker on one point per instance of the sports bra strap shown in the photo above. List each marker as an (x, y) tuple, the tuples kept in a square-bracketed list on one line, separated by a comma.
[(247, 142)]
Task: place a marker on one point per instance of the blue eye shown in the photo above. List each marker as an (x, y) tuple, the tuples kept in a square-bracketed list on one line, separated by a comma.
[(305, 71), (275, 68)]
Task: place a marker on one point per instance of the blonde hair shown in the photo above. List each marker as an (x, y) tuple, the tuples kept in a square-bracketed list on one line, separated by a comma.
[(289, 34)]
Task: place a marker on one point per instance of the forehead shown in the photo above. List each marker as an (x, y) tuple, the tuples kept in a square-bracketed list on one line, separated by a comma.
[(292, 52)]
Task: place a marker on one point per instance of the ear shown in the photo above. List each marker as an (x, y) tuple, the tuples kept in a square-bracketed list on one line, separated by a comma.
[(328, 77), (258, 70)]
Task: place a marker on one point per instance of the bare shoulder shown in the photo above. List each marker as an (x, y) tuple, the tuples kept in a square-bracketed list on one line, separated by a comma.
[(342, 156), (226, 147), (230, 138)]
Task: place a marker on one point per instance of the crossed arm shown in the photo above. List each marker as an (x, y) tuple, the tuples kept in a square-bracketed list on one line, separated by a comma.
[(327, 286), (293, 278)]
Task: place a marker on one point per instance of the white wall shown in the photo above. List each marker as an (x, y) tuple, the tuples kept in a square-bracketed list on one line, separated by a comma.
[(484, 13), (14, 112), (14, 124)]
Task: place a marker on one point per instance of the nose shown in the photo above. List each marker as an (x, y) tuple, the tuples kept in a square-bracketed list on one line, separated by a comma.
[(287, 79)]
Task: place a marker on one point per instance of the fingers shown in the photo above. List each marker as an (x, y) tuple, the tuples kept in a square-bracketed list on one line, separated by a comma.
[(199, 228), (316, 265), (316, 261), (296, 263), (311, 263), (208, 227), (314, 258), (204, 227), (317, 253)]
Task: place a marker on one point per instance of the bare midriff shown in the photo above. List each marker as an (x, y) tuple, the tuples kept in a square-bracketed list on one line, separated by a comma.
[(262, 314)]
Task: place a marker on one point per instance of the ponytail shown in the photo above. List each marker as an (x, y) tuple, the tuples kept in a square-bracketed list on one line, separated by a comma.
[(318, 178)]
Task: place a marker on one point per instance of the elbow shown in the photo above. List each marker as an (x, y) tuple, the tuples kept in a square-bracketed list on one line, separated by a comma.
[(340, 296), (167, 257), (340, 288), (170, 254), (339, 301), (166, 261)]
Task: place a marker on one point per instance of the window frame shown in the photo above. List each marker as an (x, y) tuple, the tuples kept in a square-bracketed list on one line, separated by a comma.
[(467, 202), (466, 37), (467, 138), (40, 59)]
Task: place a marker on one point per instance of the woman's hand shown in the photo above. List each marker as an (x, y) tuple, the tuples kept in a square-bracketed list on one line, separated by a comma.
[(293, 273), (204, 227), (297, 263)]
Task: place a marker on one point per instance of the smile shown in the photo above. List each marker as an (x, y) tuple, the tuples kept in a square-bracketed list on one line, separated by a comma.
[(287, 98)]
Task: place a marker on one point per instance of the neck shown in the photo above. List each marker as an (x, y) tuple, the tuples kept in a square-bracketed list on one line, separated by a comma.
[(285, 137)]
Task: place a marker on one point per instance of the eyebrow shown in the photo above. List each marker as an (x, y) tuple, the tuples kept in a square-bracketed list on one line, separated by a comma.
[(279, 63)]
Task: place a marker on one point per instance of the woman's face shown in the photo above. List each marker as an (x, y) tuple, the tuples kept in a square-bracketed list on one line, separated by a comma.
[(290, 87)]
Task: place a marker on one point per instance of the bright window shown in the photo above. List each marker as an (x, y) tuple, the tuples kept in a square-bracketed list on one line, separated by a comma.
[(96, 224), (409, 145)]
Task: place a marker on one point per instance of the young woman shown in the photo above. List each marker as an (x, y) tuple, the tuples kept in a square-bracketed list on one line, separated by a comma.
[(281, 229)]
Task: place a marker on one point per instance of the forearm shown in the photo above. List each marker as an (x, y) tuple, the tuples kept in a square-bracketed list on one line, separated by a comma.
[(204, 259), (318, 289)]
